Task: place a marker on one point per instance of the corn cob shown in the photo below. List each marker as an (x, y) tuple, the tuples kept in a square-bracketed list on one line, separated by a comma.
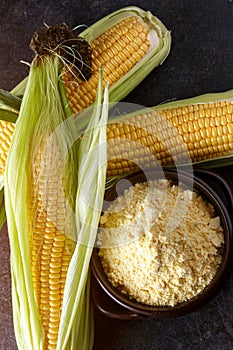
[(45, 248), (41, 206), (197, 130), (193, 131), (128, 44)]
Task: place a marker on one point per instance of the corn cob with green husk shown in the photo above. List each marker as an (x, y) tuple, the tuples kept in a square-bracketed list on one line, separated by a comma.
[(196, 131), (128, 44), (52, 211)]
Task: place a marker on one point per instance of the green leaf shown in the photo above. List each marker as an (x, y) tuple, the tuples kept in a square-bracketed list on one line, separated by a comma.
[(10, 100), (9, 106), (2, 209), (8, 116)]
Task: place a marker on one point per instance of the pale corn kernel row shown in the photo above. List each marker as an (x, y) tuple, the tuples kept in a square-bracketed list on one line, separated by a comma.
[(51, 249), (167, 136), (117, 50)]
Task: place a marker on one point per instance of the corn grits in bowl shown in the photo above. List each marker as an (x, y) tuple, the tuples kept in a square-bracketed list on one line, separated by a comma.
[(163, 245)]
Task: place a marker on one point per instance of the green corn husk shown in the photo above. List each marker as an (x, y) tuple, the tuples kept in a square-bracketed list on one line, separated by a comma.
[(45, 116), (89, 201)]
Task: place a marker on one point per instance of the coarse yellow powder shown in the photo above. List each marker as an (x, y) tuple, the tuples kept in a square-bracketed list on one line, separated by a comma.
[(160, 244)]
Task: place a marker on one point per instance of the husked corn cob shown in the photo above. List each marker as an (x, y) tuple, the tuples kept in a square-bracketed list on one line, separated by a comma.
[(171, 134), (118, 50)]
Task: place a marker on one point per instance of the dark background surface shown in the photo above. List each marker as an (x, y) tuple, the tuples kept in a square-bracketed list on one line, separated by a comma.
[(201, 61)]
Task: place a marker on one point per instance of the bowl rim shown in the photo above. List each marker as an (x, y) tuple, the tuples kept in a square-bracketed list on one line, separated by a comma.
[(221, 275)]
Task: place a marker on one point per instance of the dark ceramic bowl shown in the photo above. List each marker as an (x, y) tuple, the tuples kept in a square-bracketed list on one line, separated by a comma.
[(215, 190)]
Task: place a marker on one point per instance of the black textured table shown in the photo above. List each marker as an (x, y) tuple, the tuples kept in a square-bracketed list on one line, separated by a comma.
[(200, 61)]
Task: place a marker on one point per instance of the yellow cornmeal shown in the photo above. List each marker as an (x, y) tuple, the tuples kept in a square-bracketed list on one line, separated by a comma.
[(160, 244)]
